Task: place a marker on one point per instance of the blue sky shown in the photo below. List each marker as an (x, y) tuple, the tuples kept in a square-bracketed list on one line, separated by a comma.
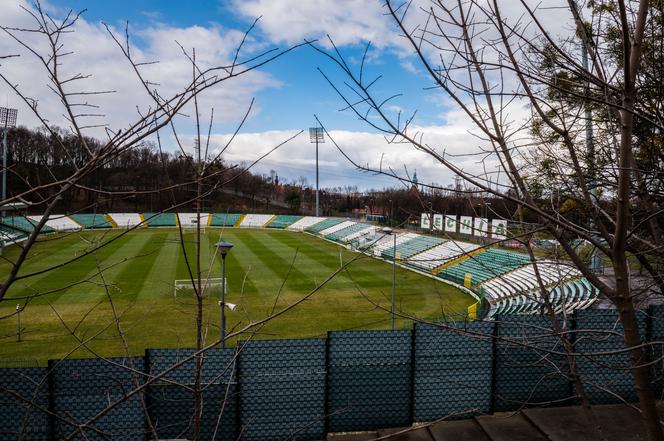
[(303, 91), (288, 91)]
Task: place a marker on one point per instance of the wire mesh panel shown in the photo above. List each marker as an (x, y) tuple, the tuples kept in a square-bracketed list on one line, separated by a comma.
[(282, 389), (453, 368), (530, 366), (657, 351), (24, 402), (84, 388), (369, 380), (607, 378), (172, 396)]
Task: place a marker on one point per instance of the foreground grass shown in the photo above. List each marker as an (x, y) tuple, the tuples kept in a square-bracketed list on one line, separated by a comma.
[(266, 270)]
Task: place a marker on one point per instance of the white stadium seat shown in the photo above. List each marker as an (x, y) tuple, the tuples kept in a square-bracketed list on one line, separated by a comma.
[(189, 219), (255, 220), (387, 241), (305, 222), (369, 229), (126, 220), (59, 222), (337, 227), (440, 254)]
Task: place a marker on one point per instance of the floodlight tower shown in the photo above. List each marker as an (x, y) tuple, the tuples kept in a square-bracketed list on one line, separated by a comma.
[(7, 120), (590, 145), (316, 136)]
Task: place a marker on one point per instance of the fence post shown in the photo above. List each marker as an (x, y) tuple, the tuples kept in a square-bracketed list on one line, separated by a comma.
[(572, 338), (238, 399), (412, 373), (147, 394), (648, 337), (494, 367), (51, 400), (326, 393)]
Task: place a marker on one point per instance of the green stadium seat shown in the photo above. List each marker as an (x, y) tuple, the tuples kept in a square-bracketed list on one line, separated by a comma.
[(282, 221), (224, 219), (91, 221), (160, 219)]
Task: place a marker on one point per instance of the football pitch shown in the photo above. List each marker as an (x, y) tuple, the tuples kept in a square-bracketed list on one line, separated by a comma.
[(69, 312)]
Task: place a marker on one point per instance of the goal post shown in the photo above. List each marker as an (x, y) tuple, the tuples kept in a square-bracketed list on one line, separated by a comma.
[(188, 285), (189, 225)]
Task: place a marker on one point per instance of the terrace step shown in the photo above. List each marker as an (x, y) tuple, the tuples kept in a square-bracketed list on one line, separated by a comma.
[(456, 261), (239, 220), (110, 220)]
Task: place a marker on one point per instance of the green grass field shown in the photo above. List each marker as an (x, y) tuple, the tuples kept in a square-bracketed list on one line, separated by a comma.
[(138, 270)]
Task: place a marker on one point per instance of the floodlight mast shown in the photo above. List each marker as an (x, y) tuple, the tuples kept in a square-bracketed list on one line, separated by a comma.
[(7, 120), (316, 136)]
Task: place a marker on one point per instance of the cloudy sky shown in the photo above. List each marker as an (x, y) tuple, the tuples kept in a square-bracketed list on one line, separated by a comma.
[(288, 92)]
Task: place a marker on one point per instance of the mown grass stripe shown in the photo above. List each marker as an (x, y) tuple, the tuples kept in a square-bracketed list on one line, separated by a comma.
[(159, 280), (323, 253), (111, 260), (135, 276), (262, 276), (280, 264), (237, 283), (71, 273), (50, 255)]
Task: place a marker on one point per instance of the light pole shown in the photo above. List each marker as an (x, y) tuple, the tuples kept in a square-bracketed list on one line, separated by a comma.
[(388, 231), (18, 318), (430, 216), (316, 136), (224, 248), (7, 120), (487, 206), (391, 213)]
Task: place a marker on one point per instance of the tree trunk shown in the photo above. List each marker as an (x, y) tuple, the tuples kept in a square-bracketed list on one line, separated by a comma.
[(637, 355)]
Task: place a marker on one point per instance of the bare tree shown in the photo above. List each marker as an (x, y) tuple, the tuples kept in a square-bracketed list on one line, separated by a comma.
[(84, 157), (579, 149)]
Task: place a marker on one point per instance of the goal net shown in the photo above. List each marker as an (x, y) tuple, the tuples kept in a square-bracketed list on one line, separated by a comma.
[(208, 286)]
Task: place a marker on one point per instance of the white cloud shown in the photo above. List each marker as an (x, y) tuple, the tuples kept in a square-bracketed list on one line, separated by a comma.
[(346, 21), (297, 158), (94, 53)]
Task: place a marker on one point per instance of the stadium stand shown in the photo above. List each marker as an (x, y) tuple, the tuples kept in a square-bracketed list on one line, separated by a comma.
[(387, 241), (305, 222), (160, 219), (517, 292), (126, 220), (282, 221), (188, 220), (91, 221), (506, 279), (8, 234), (21, 224), (484, 266), (224, 219), (409, 248), (57, 222), (570, 295), (351, 232), (338, 227), (323, 225), (433, 258), (255, 220), (523, 278)]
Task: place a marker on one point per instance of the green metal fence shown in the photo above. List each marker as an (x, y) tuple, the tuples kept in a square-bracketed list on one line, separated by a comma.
[(350, 381)]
